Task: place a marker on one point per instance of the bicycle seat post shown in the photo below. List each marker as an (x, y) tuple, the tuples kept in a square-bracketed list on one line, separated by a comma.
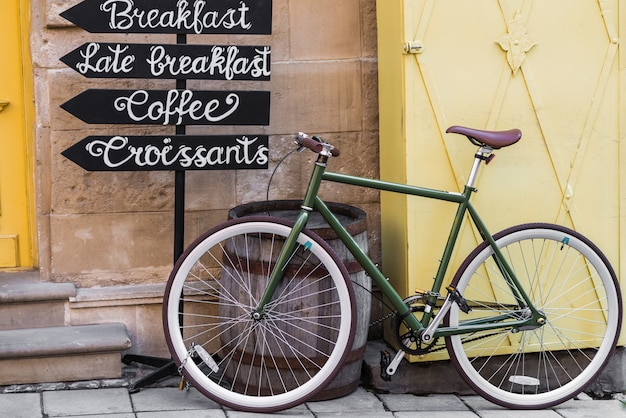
[(484, 153)]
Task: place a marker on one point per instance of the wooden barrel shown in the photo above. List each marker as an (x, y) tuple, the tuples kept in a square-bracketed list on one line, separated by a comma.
[(354, 220)]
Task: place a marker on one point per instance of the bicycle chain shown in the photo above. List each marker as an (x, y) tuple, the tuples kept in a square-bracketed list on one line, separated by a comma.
[(432, 349), (383, 319)]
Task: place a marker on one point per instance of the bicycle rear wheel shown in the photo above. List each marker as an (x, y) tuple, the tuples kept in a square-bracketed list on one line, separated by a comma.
[(571, 282), (266, 364)]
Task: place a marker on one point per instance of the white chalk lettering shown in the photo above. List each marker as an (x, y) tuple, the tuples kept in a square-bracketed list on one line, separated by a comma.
[(117, 151), (224, 61), (123, 15), (178, 105), (115, 63)]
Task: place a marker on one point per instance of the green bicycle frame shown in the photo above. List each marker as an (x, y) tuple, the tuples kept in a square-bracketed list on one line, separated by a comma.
[(313, 201)]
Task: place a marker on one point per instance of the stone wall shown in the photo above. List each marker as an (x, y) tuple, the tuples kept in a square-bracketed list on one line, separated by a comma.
[(116, 228)]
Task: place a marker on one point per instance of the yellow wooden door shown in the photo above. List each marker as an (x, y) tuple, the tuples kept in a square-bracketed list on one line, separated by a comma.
[(550, 68), (16, 118)]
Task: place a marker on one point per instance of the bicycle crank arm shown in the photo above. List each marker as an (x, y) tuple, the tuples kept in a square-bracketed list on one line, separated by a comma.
[(428, 333), (393, 366)]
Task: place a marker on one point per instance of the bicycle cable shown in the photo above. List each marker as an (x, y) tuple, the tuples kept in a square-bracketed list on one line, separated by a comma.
[(269, 182), (381, 300)]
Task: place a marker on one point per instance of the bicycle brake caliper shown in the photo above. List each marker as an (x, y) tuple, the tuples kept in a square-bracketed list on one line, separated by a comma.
[(456, 297)]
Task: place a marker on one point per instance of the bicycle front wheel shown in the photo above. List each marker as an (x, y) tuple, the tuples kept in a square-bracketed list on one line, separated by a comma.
[(569, 280), (264, 364)]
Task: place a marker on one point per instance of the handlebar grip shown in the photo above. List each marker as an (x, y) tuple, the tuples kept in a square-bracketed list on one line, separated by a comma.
[(314, 145)]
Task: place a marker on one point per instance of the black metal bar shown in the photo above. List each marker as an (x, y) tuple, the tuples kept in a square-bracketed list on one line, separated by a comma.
[(179, 183), (179, 213), (167, 367)]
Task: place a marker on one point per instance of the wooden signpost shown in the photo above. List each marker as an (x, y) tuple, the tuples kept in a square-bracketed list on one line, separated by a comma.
[(179, 106)]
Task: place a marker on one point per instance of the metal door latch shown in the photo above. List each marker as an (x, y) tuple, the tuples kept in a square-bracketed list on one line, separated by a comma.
[(414, 47)]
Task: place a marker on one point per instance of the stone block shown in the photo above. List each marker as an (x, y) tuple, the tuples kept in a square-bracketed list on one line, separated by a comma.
[(60, 369), (25, 302), (108, 403), (369, 29), (59, 354), (25, 287), (196, 223), (286, 180), (369, 80), (31, 315), (139, 307), (210, 189), (324, 29), (20, 405), (360, 401), (54, 8), (359, 157), (316, 97), (42, 105), (64, 340), (102, 249), (168, 400)]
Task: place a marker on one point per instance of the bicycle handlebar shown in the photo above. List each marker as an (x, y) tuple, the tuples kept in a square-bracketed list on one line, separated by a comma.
[(317, 145)]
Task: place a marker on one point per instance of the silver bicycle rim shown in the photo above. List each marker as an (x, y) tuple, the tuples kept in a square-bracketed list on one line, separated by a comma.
[(246, 402), (608, 298)]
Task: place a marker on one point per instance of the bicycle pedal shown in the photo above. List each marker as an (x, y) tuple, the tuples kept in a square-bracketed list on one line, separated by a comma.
[(458, 299), (385, 360)]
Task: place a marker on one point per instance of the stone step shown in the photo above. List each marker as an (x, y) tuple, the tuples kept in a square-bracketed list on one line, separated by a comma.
[(25, 302), (57, 354)]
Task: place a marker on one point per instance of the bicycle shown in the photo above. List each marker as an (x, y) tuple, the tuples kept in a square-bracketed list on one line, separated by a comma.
[(259, 312)]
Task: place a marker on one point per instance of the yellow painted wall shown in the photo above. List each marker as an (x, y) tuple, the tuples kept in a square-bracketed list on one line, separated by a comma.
[(16, 120), (552, 69)]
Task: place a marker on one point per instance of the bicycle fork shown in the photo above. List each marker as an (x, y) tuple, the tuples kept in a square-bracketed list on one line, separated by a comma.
[(289, 247), (286, 253)]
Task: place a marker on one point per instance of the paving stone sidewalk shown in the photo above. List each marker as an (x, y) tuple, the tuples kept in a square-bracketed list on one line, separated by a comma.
[(168, 402)]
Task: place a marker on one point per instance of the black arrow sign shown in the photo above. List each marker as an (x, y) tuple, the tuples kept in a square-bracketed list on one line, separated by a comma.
[(178, 152), (171, 107), (252, 17), (211, 62)]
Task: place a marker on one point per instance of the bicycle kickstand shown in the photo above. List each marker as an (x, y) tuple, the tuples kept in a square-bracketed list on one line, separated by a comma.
[(388, 367)]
